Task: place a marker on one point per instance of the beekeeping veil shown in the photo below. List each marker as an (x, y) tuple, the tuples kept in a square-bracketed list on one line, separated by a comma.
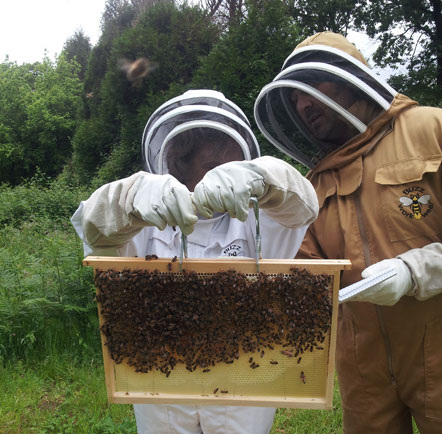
[(194, 109), (323, 58)]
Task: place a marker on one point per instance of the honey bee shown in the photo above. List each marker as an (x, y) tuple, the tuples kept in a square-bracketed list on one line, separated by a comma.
[(138, 69), (415, 203), (302, 377), (150, 257)]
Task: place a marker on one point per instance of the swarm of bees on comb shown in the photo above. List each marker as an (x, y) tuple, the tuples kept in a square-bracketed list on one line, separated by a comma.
[(155, 320)]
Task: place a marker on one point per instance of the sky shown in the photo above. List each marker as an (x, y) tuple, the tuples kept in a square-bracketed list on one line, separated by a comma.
[(29, 27)]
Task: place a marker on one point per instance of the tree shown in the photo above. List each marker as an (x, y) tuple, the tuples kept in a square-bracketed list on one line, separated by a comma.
[(249, 56), (13, 88), (225, 13), (410, 33), (173, 39), (78, 47), (314, 16), (118, 15), (38, 104)]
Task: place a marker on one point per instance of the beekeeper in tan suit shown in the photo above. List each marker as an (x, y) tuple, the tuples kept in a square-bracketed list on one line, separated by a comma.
[(375, 160)]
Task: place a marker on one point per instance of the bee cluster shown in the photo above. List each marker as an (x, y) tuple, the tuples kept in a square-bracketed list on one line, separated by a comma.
[(156, 320)]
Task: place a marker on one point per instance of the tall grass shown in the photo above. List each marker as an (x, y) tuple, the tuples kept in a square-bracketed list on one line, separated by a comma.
[(46, 295)]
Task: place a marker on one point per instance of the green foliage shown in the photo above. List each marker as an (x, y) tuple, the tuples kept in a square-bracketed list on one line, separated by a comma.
[(78, 48), (46, 295), (38, 106), (38, 198), (91, 143), (117, 16), (123, 159), (173, 39), (420, 84), (312, 16), (249, 56), (410, 33), (95, 72)]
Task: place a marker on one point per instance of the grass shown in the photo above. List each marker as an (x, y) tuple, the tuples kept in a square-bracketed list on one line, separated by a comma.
[(296, 421), (58, 395)]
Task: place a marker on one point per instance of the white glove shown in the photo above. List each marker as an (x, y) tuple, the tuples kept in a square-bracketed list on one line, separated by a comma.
[(281, 190), (388, 292), (228, 188), (162, 200)]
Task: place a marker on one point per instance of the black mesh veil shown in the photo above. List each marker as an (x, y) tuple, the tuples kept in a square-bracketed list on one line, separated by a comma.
[(276, 110), (195, 109)]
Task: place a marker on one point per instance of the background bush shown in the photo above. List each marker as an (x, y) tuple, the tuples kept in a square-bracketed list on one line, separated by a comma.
[(46, 295)]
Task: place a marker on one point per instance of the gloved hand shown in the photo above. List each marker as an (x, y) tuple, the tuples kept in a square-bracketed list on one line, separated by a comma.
[(228, 187), (388, 292), (162, 200), (281, 190)]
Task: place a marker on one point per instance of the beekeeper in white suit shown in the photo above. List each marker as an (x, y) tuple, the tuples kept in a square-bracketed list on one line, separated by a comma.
[(200, 142)]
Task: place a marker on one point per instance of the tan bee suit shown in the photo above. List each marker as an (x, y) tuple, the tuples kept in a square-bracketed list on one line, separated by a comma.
[(389, 359)]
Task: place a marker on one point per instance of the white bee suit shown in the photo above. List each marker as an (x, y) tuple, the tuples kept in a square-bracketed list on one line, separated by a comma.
[(124, 218), (212, 238)]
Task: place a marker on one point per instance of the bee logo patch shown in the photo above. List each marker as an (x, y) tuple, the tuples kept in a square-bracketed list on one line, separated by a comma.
[(414, 204)]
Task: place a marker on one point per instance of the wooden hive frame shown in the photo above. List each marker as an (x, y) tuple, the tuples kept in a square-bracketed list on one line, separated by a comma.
[(126, 386)]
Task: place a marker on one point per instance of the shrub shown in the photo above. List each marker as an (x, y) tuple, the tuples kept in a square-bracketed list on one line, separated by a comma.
[(46, 295)]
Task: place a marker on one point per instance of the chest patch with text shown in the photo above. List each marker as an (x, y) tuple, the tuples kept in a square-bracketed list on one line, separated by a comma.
[(415, 204), (233, 250)]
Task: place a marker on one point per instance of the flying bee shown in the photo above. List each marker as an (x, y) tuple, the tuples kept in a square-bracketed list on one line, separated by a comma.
[(415, 203), (137, 70)]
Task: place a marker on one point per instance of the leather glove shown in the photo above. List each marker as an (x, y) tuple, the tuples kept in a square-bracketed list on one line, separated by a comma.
[(162, 200), (282, 191), (388, 292)]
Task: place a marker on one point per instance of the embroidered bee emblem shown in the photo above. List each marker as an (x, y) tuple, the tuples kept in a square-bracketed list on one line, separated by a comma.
[(420, 205)]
